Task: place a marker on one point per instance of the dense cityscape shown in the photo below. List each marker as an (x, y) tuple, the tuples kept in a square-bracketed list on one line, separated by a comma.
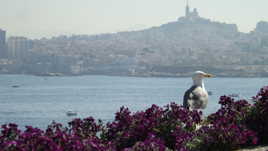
[(172, 49)]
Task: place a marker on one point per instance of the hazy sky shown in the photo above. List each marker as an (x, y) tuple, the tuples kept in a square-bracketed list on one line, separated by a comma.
[(46, 18)]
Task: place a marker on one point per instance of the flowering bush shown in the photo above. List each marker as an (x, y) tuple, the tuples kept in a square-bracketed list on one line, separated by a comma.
[(152, 143), (81, 135), (258, 118), (226, 129), (173, 125), (236, 124)]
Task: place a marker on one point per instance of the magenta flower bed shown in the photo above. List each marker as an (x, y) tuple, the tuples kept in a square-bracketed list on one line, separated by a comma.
[(235, 125)]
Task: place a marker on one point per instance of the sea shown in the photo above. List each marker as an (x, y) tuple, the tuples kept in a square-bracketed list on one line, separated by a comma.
[(37, 101)]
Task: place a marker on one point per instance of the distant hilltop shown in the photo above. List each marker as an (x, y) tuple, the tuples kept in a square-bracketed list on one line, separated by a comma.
[(173, 49)]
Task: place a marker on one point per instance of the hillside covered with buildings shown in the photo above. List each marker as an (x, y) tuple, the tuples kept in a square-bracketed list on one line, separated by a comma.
[(173, 49)]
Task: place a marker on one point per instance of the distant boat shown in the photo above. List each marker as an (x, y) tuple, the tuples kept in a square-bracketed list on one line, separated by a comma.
[(15, 86), (210, 93), (71, 113), (234, 95), (50, 74)]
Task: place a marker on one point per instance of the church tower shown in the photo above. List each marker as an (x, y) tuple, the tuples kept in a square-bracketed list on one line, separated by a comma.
[(187, 9), (190, 14)]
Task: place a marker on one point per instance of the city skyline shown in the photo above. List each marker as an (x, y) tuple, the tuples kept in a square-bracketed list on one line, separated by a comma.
[(37, 19)]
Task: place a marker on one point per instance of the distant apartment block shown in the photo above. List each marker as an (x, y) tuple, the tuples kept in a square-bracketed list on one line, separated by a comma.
[(2, 43), (18, 47)]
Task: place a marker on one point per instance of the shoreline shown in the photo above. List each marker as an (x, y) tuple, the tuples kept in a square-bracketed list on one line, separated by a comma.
[(124, 75)]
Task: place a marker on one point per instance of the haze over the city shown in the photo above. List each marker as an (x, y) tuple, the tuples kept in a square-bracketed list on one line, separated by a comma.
[(47, 18)]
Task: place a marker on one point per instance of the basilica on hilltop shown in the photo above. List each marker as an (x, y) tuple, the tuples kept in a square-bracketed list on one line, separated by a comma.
[(191, 14)]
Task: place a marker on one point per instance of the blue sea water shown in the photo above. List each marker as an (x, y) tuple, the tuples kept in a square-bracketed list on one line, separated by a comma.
[(37, 101)]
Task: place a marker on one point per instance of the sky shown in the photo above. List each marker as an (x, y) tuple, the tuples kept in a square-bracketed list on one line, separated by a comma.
[(48, 18)]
